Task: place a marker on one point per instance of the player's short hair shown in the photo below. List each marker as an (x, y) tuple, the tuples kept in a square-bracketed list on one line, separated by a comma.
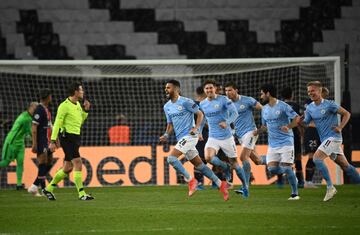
[(200, 91), (33, 103), (231, 84), (44, 93), (269, 88), (314, 83), (74, 87), (210, 81), (287, 92), (174, 82)]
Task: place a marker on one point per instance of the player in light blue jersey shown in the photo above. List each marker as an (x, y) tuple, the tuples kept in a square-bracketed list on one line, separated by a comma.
[(220, 112), (244, 129), (324, 114), (179, 113), (276, 116)]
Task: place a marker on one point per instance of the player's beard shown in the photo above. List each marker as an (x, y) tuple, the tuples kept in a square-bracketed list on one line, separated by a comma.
[(263, 101), (168, 96)]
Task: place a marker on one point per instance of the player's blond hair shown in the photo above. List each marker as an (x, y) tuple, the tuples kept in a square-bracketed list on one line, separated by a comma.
[(314, 83), (324, 92)]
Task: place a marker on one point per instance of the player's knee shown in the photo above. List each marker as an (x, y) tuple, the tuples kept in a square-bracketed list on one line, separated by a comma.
[(171, 159), (274, 170), (208, 159), (190, 155)]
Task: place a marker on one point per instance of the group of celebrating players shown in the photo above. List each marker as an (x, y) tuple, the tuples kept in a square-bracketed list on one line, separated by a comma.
[(278, 118), (221, 115)]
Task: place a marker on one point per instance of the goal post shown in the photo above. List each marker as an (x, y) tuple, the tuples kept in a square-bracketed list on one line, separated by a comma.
[(131, 92)]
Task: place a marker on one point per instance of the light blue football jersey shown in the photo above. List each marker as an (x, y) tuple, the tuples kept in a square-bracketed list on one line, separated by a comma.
[(245, 121), (181, 115), (274, 117), (218, 110), (325, 118)]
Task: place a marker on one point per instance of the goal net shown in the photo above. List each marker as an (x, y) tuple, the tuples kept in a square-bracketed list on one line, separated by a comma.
[(130, 94)]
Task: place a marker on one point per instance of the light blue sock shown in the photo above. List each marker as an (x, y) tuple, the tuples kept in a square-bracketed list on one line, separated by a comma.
[(172, 160), (353, 174), (240, 173), (291, 178), (320, 165), (217, 162), (205, 170), (247, 171)]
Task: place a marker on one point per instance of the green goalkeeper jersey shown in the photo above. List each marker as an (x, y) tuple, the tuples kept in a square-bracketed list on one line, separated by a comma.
[(20, 129), (69, 118)]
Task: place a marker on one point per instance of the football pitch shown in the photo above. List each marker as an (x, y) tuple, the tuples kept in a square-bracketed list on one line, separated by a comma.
[(168, 210)]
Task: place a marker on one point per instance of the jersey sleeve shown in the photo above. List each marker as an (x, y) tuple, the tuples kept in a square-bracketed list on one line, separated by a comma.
[(290, 112), (59, 120), (252, 102), (27, 126), (38, 116), (263, 121), (191, 106), (333, 107), (168, 118), (231, 109), (84, 115), (308, 117)]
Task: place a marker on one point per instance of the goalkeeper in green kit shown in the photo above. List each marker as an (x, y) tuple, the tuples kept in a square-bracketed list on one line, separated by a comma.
[(69, 119), (14, 145)]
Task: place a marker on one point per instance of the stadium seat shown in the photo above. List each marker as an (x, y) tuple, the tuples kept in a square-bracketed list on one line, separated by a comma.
[(169, 50), (350, 12), (8, 27), (341, 36), (24, 53), (71, 15), (154, 4), (93, 27), (13, 41), (119, 135), (9, 15), (347, 24)]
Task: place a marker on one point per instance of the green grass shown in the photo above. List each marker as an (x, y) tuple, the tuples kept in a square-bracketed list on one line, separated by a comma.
[(168, 210)]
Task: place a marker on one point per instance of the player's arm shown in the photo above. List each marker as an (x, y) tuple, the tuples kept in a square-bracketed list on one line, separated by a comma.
[(37, 118), (86, 109), (59, 120), (345, 117), (291, 125), (263, 127), (260, 130), (169, 127), (34, 137), (293, 116), (198, 123), (258, 106), (232, 114), (168, 131)]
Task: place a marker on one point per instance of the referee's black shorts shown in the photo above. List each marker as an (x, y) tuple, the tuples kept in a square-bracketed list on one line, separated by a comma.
[(70, 143)]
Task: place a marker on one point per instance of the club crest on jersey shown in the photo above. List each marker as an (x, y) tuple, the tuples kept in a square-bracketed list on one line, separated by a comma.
[(36, 116), (277, 112), (216, 106), (242, 106), (323, 111), (179, 108)]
